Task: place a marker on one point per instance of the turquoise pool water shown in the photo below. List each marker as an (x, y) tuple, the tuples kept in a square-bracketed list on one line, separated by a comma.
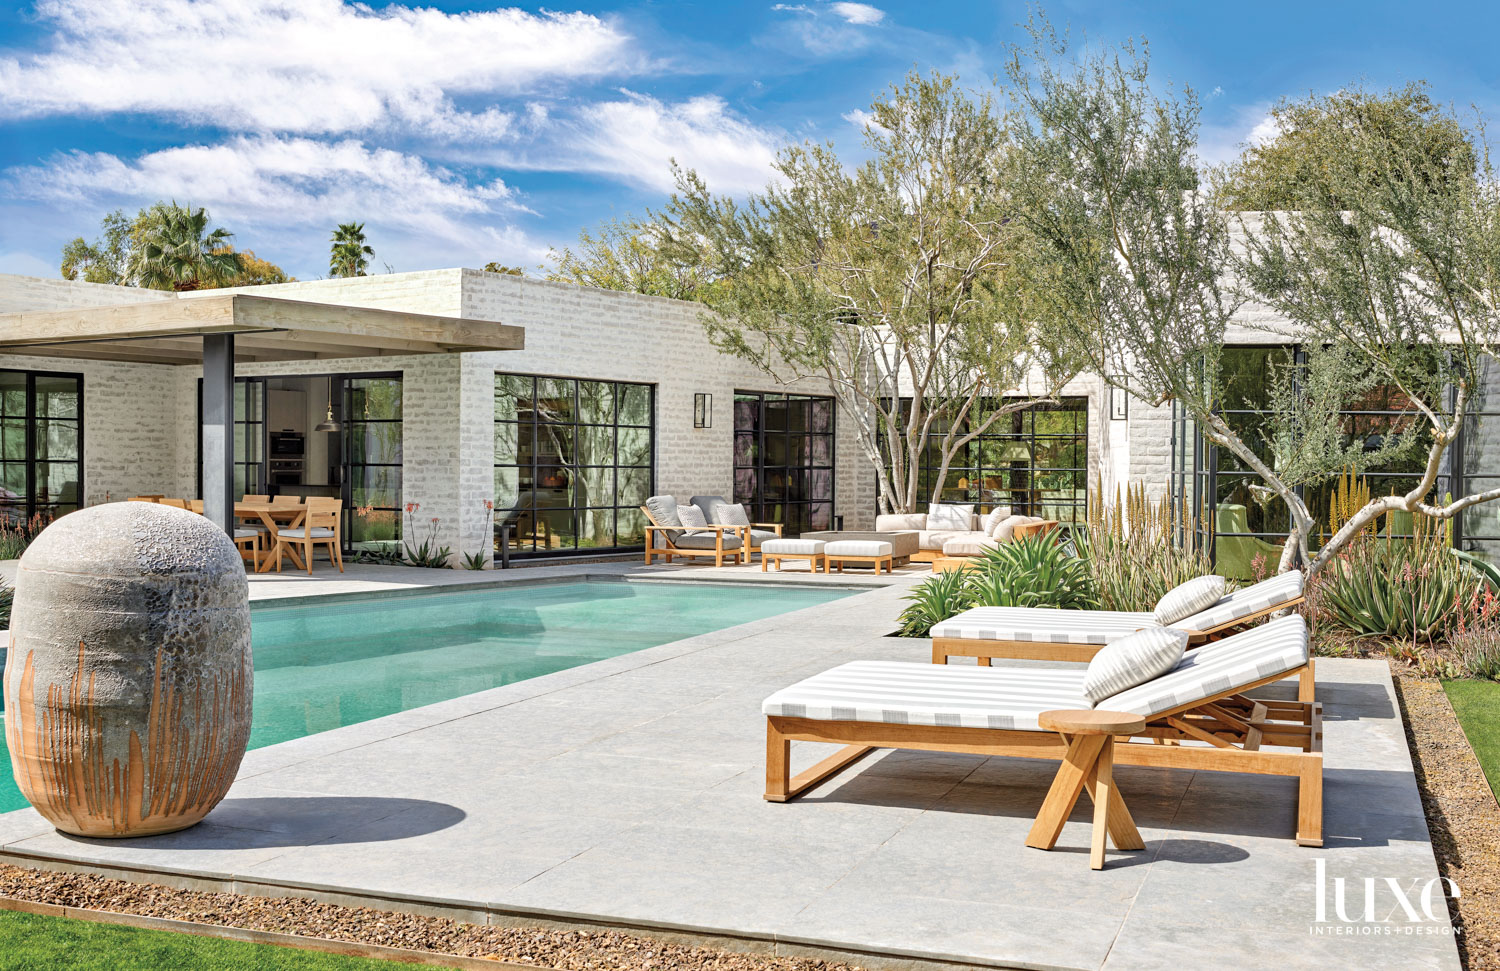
[(328, 665)]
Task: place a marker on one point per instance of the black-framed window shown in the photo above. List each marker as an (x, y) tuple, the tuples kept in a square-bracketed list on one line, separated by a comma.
[(574, 461), (373, 430), (249, 398), (1034, 460), (784, 459), (1249, 523), (41, 443)]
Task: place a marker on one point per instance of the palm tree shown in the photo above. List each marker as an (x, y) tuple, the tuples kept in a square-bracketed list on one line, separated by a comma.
[(178, 251), (349, 256)]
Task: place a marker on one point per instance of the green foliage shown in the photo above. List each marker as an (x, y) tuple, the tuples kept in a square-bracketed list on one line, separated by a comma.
[(1277, 173), (1477, 705), (1137, 550), (934, 600), (478, 561), (899, 271), (1486, 570), (1408, 589), (1032, 572), (503, 269), (7, 598), (625, 254), (177, 251), (349, 255), (117, 256), (33, 941), (16, 535)]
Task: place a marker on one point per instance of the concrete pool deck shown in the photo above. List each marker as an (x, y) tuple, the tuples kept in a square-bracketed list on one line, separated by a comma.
[(628, 792)]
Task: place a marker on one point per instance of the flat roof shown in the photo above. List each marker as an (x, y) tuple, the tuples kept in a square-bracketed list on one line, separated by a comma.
[(265, 329)]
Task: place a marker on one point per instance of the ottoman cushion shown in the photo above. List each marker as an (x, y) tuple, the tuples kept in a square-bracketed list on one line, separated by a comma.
[(857, 547), (792, 547)]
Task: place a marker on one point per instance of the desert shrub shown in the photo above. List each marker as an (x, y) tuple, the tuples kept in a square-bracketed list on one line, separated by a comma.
[(16, 535), (1395, 587), (934, 600), (1138, 549), (1033, 572), (7, 597)]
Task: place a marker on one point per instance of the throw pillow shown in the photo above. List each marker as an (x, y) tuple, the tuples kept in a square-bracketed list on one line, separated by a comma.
[(1005, 530), (731, 514), (994, 518), (1187, 599), (947, 515), (1132, 660), (691, 516), (664, 510)]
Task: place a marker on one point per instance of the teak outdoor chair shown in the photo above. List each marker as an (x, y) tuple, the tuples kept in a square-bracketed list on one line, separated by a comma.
[(247, 537), (1196, 716), (752, 535), (1055, 634), (174, 503), (667, 537), (320, 524)]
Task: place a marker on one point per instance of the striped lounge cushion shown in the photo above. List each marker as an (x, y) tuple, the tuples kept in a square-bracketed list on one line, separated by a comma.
[(1274, 648), (1133, 660), (792, 547), (1246, 601), (1046, 625), (908, 693), (1189, 598)]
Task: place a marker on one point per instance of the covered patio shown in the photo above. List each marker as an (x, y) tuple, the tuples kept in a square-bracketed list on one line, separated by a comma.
[(219, 330)]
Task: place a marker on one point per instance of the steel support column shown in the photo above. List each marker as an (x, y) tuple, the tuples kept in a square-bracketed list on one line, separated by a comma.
[(218, 429)]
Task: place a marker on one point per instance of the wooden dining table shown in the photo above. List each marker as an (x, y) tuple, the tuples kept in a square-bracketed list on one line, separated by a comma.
[(284, 515)]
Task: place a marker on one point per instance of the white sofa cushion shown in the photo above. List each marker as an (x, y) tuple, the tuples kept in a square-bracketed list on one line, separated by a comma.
[(1133, 660), (934, 539), (899, 522), (994, 518), (1005, 529), (1187, 599), (948, 515), (970, 544)]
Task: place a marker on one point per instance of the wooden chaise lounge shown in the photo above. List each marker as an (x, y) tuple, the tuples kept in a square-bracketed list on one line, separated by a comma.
[(1052, 634), (1196, 716)]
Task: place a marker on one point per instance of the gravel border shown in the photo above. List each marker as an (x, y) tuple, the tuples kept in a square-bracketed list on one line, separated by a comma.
[(562, 950), (1463, 817)]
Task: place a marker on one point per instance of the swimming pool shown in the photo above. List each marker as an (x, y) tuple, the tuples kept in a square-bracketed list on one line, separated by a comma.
[(325, 665)]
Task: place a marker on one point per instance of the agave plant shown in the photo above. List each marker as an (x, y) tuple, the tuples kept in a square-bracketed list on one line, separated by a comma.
[(1406, 588), (934, 600), (1033, 572)]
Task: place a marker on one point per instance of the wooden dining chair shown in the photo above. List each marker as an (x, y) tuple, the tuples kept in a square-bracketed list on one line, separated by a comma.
[(141, 499), (286, 501), (319, 525), (174, 503), (249, 498), (196, 505), (249, 539)]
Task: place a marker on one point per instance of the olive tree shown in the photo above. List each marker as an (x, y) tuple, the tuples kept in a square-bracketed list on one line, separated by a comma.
[(1385, 269), (893, 280)]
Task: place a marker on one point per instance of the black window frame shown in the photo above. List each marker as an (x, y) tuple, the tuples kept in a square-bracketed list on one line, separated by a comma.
[(1018, 427), (752, 480), (32, 507), (627, 517)]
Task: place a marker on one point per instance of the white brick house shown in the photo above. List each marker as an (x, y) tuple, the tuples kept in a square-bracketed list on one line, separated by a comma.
[(140, 421)]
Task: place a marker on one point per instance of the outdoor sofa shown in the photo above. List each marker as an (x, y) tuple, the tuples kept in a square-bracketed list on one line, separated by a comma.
[(719, 511), (667, 536), (1196, 715), (1055, 634), (956, 530)]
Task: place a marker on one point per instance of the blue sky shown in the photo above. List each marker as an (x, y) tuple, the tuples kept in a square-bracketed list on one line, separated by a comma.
[(462, 133)]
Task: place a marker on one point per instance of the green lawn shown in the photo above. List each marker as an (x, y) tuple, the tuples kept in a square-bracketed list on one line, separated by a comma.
[(32, 942), (1477, 704)]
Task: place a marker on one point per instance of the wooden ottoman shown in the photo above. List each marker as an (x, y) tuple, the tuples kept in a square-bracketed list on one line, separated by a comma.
[(793, 549), (875, 553)]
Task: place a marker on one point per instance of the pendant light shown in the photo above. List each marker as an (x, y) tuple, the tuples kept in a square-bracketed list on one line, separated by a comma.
[(328, 424)]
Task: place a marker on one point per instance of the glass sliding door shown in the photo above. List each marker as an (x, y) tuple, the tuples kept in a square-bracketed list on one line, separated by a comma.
[(783, 459), (372, 434), (573, 463), (249, 436), (41, 444)]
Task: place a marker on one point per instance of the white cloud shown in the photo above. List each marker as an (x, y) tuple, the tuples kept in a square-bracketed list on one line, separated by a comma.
[(303, 66), (1221, 142), (859, 13), (270, 181), (1265, 130), (635, 139)]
